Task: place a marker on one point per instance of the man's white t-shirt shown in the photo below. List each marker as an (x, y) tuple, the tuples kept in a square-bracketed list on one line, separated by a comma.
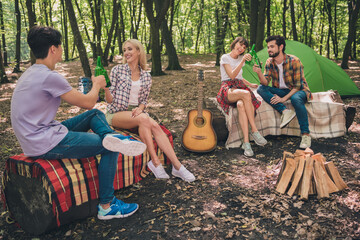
[(282, 84), (227, 59)]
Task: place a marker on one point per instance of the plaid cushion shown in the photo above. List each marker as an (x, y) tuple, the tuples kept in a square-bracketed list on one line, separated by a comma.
[(326, 119), (72, 182)]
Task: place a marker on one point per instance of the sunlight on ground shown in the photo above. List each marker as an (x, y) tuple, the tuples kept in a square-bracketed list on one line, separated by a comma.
[(179, 114), (199, 64), (2, 120), (214, 206), (355, 128), (154, 104), (352, 200)]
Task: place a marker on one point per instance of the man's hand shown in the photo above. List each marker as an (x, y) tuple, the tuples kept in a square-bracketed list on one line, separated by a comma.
[(276, 99), (100, 80), (257, 69)]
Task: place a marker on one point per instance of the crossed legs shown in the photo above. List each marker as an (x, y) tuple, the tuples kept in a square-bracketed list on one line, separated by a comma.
[(245, 109), (147, 129)]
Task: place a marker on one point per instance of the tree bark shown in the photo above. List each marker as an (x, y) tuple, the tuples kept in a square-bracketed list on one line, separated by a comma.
[(199, 27), (354, 6), (65, 32), (173, 59), (18, 38), (222, 19), (293, 21), (155, 23), (32, 20), (78, 39), (268, 18), (260, 31), (3, 32), (285, 7), (111, 32), (3, 77)]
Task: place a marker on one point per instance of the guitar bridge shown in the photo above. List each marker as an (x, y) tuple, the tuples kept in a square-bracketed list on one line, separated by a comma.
[(199, 137)]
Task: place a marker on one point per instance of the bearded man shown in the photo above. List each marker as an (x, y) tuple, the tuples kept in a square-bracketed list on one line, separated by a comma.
[(286, 73)]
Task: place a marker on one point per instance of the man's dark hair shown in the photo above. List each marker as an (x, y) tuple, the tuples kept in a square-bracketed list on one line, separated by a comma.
[(240, 40), (279, 40), (41, 38)]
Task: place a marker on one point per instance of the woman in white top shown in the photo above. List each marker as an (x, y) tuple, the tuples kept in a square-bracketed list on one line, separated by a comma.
[(127, 98), (234, 92)]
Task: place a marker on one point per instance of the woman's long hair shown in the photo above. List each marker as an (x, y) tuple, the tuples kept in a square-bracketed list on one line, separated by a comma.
[(142, 58)]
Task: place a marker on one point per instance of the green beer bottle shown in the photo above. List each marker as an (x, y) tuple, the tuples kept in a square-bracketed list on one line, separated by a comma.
[(255, 58), (100, 70)]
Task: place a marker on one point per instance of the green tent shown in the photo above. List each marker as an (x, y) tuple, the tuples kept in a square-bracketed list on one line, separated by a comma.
[(321, 73)]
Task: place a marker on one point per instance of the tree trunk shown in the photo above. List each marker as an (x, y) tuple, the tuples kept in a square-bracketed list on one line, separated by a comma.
[(260, 31), (293, 21), (111, 32), (305, 22), (3, 32), (199, 27), (155, 23), (97, 30), (32, 20), (170, 48), (285, 7), (334, 37), (18, 38), (354, 6), (254, 10), (268, 18), (65, 32), (78, 39), (222, 24), (3, 77)]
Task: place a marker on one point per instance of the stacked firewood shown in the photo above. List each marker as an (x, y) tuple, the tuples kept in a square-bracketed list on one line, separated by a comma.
[(305, 173)]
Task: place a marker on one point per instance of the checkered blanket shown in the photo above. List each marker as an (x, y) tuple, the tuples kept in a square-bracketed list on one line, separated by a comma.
[(72, 182), (326, 119)]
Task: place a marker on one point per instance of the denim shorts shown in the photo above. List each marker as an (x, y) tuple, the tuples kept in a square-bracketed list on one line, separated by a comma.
[(109, 116)]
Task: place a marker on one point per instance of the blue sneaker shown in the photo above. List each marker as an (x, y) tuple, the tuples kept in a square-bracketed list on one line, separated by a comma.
[(117, 209), (123, 144)]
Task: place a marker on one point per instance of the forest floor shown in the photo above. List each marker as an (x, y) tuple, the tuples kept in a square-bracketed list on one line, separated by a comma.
[(233, 196)]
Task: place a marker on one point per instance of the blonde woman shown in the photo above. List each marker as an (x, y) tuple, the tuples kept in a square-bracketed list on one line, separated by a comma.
[(127, 98)]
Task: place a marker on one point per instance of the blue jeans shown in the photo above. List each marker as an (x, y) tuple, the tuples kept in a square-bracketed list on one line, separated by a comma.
[(79, 143), (298, 100)]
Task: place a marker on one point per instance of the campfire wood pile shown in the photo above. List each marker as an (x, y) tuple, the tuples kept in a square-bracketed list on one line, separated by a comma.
[(305, 173)]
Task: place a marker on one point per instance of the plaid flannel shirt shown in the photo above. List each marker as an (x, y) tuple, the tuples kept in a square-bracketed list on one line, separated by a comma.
[(120, 78), (293, 74)]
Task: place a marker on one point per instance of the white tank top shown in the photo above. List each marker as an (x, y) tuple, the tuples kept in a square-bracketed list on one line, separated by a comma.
[(134, 93)]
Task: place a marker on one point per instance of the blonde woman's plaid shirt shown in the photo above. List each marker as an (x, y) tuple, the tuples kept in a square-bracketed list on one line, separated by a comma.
[(120, 78), (293, 74)]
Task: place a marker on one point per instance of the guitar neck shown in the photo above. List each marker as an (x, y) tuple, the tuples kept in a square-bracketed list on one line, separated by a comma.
[(201, 94)]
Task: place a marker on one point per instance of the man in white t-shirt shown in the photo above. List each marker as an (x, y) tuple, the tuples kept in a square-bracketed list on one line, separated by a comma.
[(288, 82), (34, 104)]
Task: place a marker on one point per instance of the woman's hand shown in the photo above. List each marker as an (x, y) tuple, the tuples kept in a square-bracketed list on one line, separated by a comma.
[(253, 85), (136, 112), (247, 57)]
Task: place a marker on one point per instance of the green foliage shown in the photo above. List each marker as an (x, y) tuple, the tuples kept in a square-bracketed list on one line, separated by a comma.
[(187, 13)]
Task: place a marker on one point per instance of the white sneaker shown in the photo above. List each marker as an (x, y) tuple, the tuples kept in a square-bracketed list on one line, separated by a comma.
[(305, 141), (183, 173), (158, 171), (123, 144), (247, 149), (259, 140), (286, 117)]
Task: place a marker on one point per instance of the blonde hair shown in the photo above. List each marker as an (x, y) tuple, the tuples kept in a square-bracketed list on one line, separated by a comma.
[(142, 58)]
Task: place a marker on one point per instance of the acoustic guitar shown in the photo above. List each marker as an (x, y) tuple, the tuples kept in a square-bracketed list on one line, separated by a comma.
[(199, 134)]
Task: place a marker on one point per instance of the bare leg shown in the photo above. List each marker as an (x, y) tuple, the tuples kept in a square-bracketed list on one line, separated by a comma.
[(243, 120), (147, 128), (234, 95)]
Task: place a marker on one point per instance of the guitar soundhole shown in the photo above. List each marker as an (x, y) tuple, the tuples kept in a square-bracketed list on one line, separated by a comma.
[(199, 121)]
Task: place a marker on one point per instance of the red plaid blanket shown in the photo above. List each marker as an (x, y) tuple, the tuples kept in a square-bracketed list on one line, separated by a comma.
[(72, 182)]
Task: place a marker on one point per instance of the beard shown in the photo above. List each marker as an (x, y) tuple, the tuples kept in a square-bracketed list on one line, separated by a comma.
[(273, 55)]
